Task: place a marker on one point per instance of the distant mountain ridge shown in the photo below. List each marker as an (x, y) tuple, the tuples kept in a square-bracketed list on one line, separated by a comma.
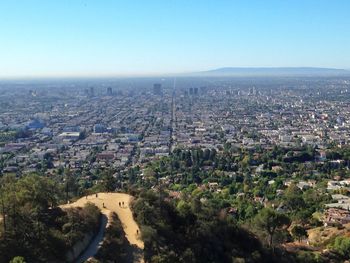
[(273, 71)]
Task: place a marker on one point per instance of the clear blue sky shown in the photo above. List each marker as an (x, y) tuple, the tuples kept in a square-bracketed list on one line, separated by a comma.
[(100, 37)]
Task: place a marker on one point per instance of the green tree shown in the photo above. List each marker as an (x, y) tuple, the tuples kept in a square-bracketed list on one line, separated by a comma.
[(293, 198), (299, 232), (270, 221), (109, 182)]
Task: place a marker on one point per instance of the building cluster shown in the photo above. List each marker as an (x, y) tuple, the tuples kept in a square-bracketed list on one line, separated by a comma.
[(98, 125)]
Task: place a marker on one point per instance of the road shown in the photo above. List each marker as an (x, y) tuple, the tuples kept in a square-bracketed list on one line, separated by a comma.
[(108, 203)]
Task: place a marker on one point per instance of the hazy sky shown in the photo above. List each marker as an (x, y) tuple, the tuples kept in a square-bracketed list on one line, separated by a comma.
[(100, 37)]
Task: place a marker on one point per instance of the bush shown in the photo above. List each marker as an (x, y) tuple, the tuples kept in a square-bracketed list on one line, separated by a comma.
[(18, 260), (342, 246)]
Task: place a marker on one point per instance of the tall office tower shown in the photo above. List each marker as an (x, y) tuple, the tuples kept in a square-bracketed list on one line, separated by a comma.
[(92, 92), (195, 91), (86, 92), (109, 91), (254, 91), (250, 93), (157, 89), (191, 91)]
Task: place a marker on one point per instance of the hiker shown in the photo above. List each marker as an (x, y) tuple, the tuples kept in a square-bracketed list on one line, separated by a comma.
[(103, 205), (119, 204), (137, 232), (96, 195), (123, 203)]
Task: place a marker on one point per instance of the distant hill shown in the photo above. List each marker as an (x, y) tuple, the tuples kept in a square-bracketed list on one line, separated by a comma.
[(278, 71)]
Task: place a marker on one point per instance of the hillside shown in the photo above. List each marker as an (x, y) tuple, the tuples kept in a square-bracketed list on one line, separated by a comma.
[(273, 71)]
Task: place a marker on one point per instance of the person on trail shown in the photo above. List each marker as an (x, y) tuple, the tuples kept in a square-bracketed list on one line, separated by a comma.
[(137, 232), (103, 205), (123, 204), (96, 195), (119, 204)]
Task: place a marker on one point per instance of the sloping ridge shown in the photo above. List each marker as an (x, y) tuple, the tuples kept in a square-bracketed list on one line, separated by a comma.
[(109, 203), (273, 71)]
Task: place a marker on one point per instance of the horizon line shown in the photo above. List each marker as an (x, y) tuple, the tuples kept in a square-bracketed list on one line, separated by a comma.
[(159, 74)]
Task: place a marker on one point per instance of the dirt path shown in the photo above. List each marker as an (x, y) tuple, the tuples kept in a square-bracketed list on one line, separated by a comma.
[(108, 203), (95, 244)]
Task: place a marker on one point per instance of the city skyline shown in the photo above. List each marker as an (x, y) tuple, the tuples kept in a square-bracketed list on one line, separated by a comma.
[(175, 131), (123, 38)]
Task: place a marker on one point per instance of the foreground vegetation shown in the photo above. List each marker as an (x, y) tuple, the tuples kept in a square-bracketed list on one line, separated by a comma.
[(277, 194), (193, 232), (32, 225), (232, 205)]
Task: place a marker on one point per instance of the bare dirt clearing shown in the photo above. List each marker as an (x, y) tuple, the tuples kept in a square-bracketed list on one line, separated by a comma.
[(118, 203)]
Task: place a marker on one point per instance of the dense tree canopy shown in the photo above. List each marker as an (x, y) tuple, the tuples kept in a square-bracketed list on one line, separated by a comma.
[(33, 227)]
